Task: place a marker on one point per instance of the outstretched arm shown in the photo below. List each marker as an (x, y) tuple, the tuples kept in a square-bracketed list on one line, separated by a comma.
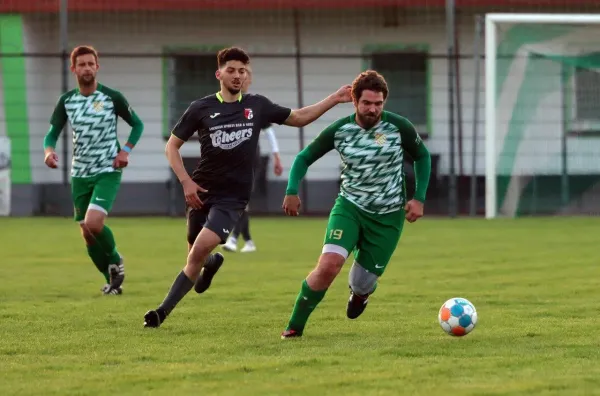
[(308, 114), (311, 153), (315, 150)]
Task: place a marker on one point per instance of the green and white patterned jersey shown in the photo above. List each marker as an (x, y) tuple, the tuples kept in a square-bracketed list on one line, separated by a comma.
[(93, 119), (372, 176)]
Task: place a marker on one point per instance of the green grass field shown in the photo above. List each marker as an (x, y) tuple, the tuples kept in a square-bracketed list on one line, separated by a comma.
[(534, 283)]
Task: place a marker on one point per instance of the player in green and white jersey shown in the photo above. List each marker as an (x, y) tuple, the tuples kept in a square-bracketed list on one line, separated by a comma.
[(369, 213), (98, 158)]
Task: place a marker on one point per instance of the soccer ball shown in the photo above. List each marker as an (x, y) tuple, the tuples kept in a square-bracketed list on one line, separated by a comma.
[(458, 316)]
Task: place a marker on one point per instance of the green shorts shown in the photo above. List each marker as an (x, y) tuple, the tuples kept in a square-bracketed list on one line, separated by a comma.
[(371, 237), (95, 192)]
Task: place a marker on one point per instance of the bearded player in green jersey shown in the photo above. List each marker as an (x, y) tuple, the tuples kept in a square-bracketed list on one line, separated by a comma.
[(369, 213), (92, 110)]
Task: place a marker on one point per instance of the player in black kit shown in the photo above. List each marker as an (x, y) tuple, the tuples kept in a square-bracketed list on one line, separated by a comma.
[(228, 124)]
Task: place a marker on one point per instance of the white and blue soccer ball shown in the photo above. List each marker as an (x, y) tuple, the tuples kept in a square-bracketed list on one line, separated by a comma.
[(458, 317)]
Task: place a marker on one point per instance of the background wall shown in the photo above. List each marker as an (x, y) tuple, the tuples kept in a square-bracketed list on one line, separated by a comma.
[(138, 50)]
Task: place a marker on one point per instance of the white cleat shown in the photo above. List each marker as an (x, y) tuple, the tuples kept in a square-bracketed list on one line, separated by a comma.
[(230, 246), (249, 247)]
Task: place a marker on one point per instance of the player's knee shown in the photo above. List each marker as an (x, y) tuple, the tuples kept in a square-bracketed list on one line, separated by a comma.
[(360, 280), (198, 254), (94, 225), (330, 265), (94, 221)]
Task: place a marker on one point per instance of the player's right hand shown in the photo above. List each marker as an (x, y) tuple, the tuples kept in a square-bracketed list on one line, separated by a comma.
[(190, 191), (344, 94), (51, 160), (291, 205)]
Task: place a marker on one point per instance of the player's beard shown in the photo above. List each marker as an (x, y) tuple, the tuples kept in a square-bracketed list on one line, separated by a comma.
[(368, 120), (87, 80), (232, 90)]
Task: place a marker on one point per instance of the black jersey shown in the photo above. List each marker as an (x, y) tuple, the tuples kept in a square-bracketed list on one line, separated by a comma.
[(228, 134)]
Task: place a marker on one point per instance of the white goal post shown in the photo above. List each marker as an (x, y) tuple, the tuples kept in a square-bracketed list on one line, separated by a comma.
[(492, 40), (5, 178)]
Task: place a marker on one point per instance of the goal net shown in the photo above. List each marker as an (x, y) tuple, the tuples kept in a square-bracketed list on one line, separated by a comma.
[(542, 76)]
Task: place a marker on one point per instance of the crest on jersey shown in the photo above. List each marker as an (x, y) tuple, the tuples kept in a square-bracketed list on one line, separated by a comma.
[(98, 106), (248, 114), (380, 139)]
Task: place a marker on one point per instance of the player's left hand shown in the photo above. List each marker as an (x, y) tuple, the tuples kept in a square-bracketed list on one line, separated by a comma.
[(277, 168), (291, 205), (414, 210), (344, 94), (122, 160)]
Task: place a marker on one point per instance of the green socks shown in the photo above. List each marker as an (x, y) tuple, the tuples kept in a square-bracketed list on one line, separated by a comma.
[(306, 302), (107, 241), (104, 252), (98, 256)]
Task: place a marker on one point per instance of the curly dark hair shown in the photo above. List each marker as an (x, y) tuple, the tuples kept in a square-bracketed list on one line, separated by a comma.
[(369, 80), (83, 50), (232, 53)]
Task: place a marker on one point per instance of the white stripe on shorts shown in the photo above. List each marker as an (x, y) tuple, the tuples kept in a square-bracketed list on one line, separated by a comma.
[(98, 208), (331, 248)]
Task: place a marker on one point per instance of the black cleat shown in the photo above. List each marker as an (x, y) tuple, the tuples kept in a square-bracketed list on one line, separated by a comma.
[(290, 334), (108, 290), (154, 318), (208, 272), (117, 274), (356, 305)]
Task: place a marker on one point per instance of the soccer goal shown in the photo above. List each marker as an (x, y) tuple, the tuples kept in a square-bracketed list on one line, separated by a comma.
[(542, 114)]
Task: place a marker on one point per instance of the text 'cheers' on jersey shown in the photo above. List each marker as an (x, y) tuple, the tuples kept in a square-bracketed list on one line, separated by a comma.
[(93, 119), (228, 133)]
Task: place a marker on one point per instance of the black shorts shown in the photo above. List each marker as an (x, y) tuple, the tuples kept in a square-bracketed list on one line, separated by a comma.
[(219, 215)]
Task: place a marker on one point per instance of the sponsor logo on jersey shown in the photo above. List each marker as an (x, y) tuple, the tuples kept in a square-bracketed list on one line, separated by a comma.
[(248, 114), (228, 140)]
